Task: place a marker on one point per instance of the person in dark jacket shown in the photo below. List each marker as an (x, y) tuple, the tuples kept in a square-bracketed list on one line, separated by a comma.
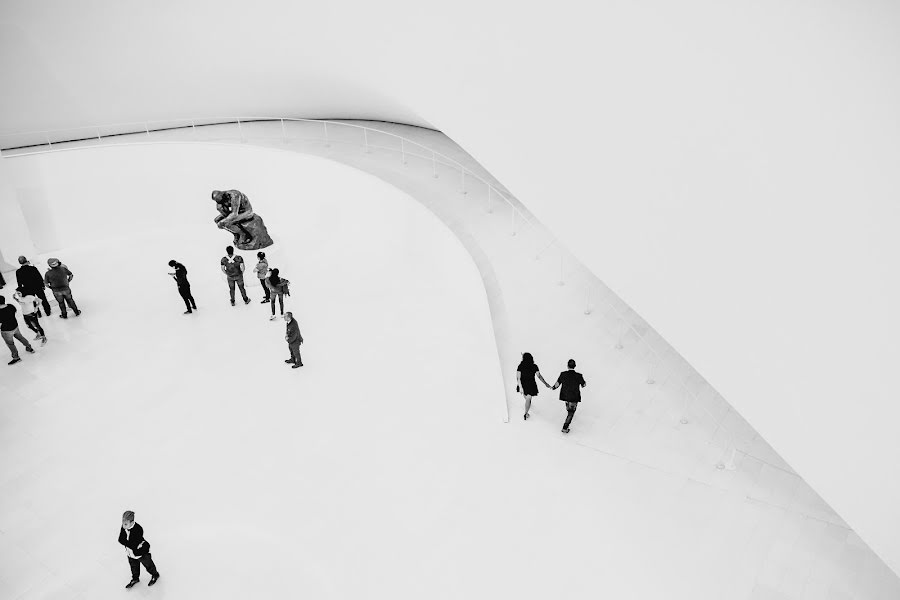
[(131, 535), (525, 374), (28, 277), (278, 288), (294, 339), (57, 279), (9, 330), (184, 286), (571, 382)]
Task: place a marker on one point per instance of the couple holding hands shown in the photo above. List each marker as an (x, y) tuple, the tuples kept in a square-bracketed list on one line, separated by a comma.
[(570, 380)]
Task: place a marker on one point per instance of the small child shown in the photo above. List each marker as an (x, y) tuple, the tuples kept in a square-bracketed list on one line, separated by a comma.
[(30, 313)]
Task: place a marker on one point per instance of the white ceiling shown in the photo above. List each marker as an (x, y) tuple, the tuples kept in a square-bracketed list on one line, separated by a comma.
[(730, 169)]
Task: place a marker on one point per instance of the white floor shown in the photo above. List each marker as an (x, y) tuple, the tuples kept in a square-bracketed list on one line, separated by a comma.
[(381, 468)]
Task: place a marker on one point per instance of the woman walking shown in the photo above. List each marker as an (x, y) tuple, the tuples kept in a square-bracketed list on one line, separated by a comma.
[(278, 288), (525, 376)]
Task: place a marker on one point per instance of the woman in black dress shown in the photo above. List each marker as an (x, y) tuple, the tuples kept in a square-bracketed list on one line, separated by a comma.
[(525, 376)]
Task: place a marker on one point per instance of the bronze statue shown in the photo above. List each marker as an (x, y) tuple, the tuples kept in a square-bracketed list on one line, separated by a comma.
[(236, 216)]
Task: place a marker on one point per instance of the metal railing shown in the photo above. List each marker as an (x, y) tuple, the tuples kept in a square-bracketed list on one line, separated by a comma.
[(660, 369)]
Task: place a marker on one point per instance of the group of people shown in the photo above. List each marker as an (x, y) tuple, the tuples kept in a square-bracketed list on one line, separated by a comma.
[(31, 298), (571, 382), (274, 287)]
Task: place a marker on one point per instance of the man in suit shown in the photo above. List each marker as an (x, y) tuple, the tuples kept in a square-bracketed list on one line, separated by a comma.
[(28, 277), (137, 548), (571, 381), (294, 339)]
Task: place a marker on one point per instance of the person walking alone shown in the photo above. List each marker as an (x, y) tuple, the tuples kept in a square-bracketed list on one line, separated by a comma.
[(571, 382), (293, 339), (278, 287), (262, 270), (525, 376), (137, 548), (28, 277), (57, 278), (184, 286), (9, 330), (233, 267), (30, 313)]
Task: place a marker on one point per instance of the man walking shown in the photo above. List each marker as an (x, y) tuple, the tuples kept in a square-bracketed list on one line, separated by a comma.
[(9, 330), (28, 277), (57, 279), (137, 548), (571, 382), (294, 339), (184, 287), (30, 313), (233, 267)]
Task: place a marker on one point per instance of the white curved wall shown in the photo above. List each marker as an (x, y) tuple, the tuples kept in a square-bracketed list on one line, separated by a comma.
[(730, 171)]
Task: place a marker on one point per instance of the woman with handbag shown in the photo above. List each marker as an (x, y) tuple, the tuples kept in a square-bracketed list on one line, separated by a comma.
[(278, 288)]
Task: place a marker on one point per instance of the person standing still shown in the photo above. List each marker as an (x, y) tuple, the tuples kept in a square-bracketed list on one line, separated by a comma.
[(57, 279), (9, 330), (525, 374), (233, 267), (278, 286), (294, 339), (28, 277), (137, 549), (571, 382), (30, 313), (262, 269), (184, 286)]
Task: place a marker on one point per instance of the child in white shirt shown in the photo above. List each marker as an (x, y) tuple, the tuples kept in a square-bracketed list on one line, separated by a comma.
[(29, 305)]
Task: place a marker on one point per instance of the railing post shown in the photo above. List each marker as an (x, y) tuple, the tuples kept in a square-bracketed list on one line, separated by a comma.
[(241, 130), (47, 137), (727, 462), (562, 279), (327, 141), (462, 170), (622, 331), (99, 137), (366, 136), (587, 305), (490, 209), (513, 222), (434, 163), (193, 128), (147, 128), (654, 365), (284, 139), (402, 152)]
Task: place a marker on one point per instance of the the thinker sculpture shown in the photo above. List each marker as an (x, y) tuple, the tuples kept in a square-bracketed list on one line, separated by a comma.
[(236, 216)]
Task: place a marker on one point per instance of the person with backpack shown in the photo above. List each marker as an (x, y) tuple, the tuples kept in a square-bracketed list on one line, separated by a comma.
[(184, 286), (571, 382), (278, 287), (233, 267)]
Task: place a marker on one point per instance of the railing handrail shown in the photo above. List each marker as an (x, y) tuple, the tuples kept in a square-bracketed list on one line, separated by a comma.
[(492, 190)]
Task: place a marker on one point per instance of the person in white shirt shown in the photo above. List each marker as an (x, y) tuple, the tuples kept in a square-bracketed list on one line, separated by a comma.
[(30, 313)]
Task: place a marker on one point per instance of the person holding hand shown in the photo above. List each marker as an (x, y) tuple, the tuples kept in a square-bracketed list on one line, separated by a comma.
[(525, 374), (571, 382)]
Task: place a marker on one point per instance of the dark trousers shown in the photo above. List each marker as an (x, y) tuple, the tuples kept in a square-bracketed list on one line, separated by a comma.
[(43, 296), (265, 288), (570, 409), (64, 297), (8, 338), (33, 323), (280, 297), (135, 564), (185, 291), (240, 283), (295, 353)]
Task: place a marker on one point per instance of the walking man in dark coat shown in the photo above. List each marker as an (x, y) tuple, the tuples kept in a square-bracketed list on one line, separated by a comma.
[(294, 339), (184, 286), (571, 381), (137, 548), (28, 277)]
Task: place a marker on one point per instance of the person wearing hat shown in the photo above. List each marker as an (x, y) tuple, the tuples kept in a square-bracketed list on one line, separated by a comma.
[(9, 330), (57, 279), (571, 382), (29, 278)]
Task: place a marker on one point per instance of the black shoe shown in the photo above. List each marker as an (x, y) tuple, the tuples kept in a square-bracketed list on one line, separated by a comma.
[(525, 416), (77, 312), (187, 312), (565, 430), (290, 360), (153, 579), (246, 300), (232, 302), (266, 301), (29, 350), (131, 584), (14, 361), (63, 316), (297, 366)]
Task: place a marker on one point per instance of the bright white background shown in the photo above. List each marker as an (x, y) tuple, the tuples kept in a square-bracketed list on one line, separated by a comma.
[(730, 170)]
